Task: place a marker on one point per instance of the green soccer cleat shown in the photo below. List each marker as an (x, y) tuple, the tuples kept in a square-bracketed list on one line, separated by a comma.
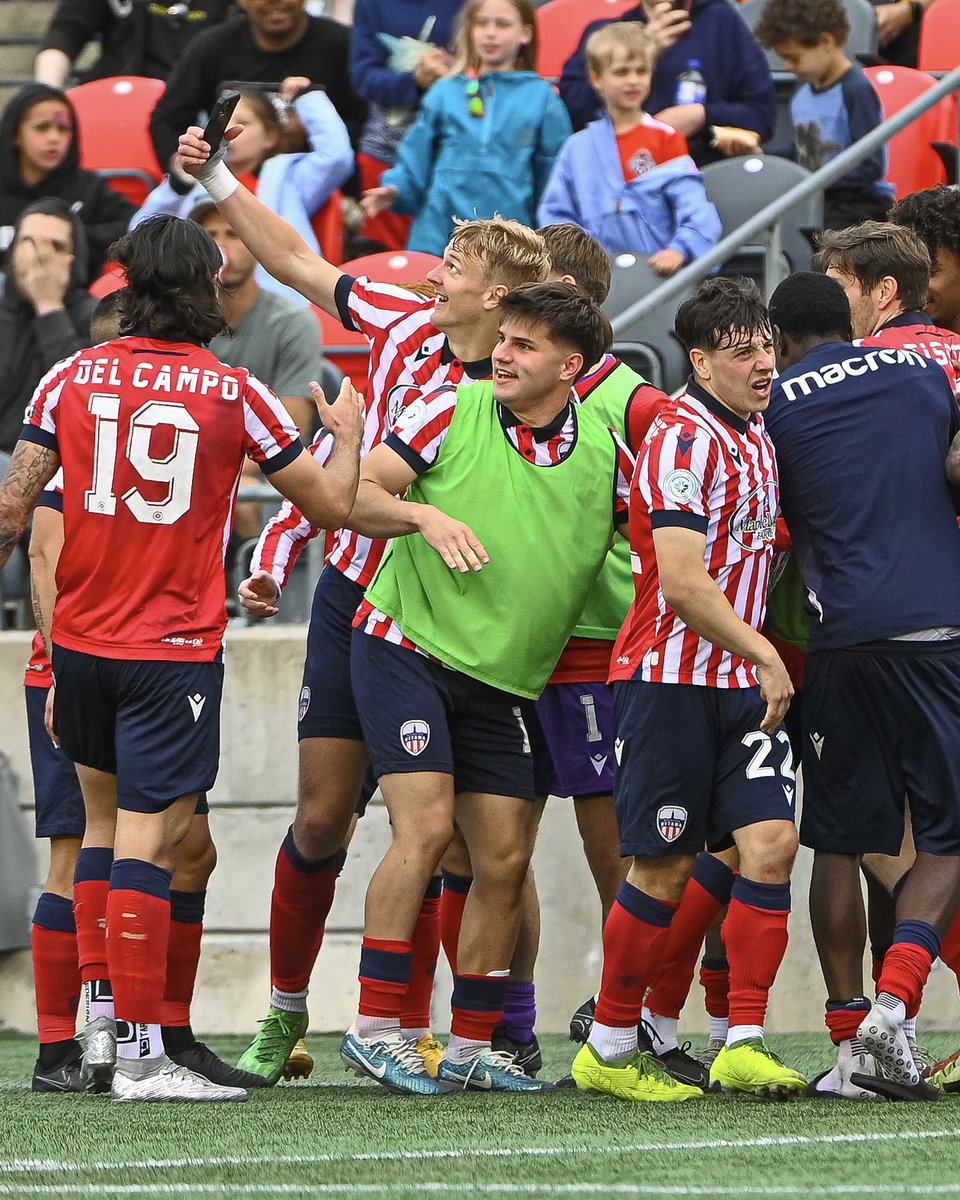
[(751, 1066), (267, 1054), (641, 1077), (945, 1075)]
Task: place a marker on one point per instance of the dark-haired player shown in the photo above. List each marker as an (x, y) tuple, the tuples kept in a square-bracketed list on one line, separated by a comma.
[(934, 216), (700, 694), (137, 423)]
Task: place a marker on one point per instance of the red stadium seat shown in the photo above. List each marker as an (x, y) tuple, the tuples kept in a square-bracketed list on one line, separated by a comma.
[(940, 37), (114, 119), (393, 266), (348, 351), (112, 279), (328, 226), (914, 161), (560, 25)]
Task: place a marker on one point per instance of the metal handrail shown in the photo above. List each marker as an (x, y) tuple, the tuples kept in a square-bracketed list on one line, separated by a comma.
[(769, 216)]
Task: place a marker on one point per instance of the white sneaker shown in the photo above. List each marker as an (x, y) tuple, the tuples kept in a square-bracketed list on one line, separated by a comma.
[(708, 1054), (883, 1037), (162, 1079), (99, 1040), (836, 1083)]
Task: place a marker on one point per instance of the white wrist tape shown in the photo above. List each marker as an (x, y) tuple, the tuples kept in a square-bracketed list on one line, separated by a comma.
[(219, 181)]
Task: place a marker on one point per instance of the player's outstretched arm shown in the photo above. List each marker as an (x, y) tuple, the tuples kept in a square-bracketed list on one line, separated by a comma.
[(274, 243), (700, 604), (31, 469)]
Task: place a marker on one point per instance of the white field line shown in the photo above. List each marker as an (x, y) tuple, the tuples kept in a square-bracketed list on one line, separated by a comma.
[(24, 1166), (442, 1187)]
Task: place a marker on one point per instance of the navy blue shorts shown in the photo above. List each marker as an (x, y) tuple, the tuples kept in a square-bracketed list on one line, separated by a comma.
[(327, 708), (56, 789), (882, 723), (420, 716), (571, 734), (693, 765), (155, 725)]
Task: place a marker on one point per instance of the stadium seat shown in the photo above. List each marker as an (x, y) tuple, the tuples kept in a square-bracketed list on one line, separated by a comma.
[(560, 25), (862, 42), (110, 280), (348, 351), (741, 187), (114, 120), (647, 345), (327, 224), (940, 37), (393, 266), (915, 161)]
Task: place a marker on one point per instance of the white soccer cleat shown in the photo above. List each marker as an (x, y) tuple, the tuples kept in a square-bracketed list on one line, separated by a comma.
[(99, 1054), (882, 1036), (837, 1084), (159, 1079)]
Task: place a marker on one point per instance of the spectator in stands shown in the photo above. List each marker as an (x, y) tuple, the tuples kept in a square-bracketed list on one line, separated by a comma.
[(272, 41), (834, 106), (628, 179), (899, 29), (40, 157), (136, 38), (934, 216), (397, 52), (275, 339), (294, 185), (486, 137), (45, 306), (738, 108)]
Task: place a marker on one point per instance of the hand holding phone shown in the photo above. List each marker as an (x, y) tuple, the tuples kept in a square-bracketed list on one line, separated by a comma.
[(219, 120)]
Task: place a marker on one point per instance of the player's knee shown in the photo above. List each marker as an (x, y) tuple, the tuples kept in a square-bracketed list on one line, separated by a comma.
[(199, 860), (427, 838), (320, 830), (767, 854), (505, 870)]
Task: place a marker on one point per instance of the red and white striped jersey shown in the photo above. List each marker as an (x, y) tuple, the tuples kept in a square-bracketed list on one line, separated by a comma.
[(406, 349), (915, 331), (151, 436), (286, 534), (701, 467)]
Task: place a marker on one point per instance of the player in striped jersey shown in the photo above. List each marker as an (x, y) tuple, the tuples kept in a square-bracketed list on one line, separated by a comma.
[(700, 694), (415, 342)]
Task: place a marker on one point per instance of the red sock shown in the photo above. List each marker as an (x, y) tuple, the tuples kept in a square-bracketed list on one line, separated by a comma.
[(384, 977), (56, 972), (415, 1010), (90, 889), (715, 981), (755, 937), (303, 892), (477, 1006), (950, 949), (138, 933), (634, 940), (183, 956), (905, 971), (844, 1020), (706, 893), (453, 898)]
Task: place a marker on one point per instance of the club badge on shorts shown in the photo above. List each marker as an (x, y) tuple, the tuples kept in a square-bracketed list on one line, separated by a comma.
[(671, 822), (304, 704), (414, 736)]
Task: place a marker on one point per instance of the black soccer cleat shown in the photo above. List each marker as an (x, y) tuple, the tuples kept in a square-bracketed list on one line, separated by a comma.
[(582, 1021), (201, 1060), (526, 1055), (890, 1089), (65, 1076), (684, 1068)]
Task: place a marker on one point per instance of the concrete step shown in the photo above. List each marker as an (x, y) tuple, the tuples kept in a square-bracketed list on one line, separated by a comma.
[(25, 18)]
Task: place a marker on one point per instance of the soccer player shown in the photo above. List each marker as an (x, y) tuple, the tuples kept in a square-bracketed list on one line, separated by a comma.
[(151, 431), (699, 696), (881, 710), (885, 271), (448, 642), (934, 215), (414, 342)]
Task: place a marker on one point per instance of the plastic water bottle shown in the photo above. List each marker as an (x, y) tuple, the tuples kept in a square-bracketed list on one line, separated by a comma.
[(691, 86)]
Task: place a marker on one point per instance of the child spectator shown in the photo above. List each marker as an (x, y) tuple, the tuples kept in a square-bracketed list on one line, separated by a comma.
[(294, 185), (628, 179), (834, 106), (40, 158), (486, 136)]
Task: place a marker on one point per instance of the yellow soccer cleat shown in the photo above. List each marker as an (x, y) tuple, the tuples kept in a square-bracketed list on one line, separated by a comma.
[(430, 1050), (750, 1066), (638, 1078), (299, 1062)]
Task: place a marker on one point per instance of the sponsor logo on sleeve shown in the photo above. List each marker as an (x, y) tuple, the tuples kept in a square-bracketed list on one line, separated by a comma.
[(304, 706)]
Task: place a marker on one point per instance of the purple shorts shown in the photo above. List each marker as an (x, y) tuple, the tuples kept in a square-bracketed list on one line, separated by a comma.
[(571, 735)]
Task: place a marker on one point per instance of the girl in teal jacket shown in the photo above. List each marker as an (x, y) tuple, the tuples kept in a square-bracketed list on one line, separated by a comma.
[(486, 136)]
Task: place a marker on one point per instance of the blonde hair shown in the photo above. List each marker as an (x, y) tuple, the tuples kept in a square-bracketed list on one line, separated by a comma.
[(506, 251), (465, 56), (632, 37)]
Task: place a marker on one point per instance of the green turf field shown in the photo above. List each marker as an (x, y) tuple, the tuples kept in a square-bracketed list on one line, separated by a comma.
[(336, 1136)]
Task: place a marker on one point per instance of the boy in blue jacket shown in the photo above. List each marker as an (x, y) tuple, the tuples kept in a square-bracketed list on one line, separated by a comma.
[(628, 179)]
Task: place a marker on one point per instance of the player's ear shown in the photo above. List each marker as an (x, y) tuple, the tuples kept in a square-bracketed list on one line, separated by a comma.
[(495, 295), (571, 368), (698, 360)]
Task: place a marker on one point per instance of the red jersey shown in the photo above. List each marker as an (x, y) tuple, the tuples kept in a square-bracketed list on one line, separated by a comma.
[(648, 144), (406, 349), (151, 436), (915, 331), (704, 468)]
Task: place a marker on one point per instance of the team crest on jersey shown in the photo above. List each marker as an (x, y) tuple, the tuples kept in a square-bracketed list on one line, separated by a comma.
[(304, 705), (415, 736), (671, 821), (681, 485)]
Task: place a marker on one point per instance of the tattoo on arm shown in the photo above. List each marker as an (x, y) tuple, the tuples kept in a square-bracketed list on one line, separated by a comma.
[(31, 469)]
